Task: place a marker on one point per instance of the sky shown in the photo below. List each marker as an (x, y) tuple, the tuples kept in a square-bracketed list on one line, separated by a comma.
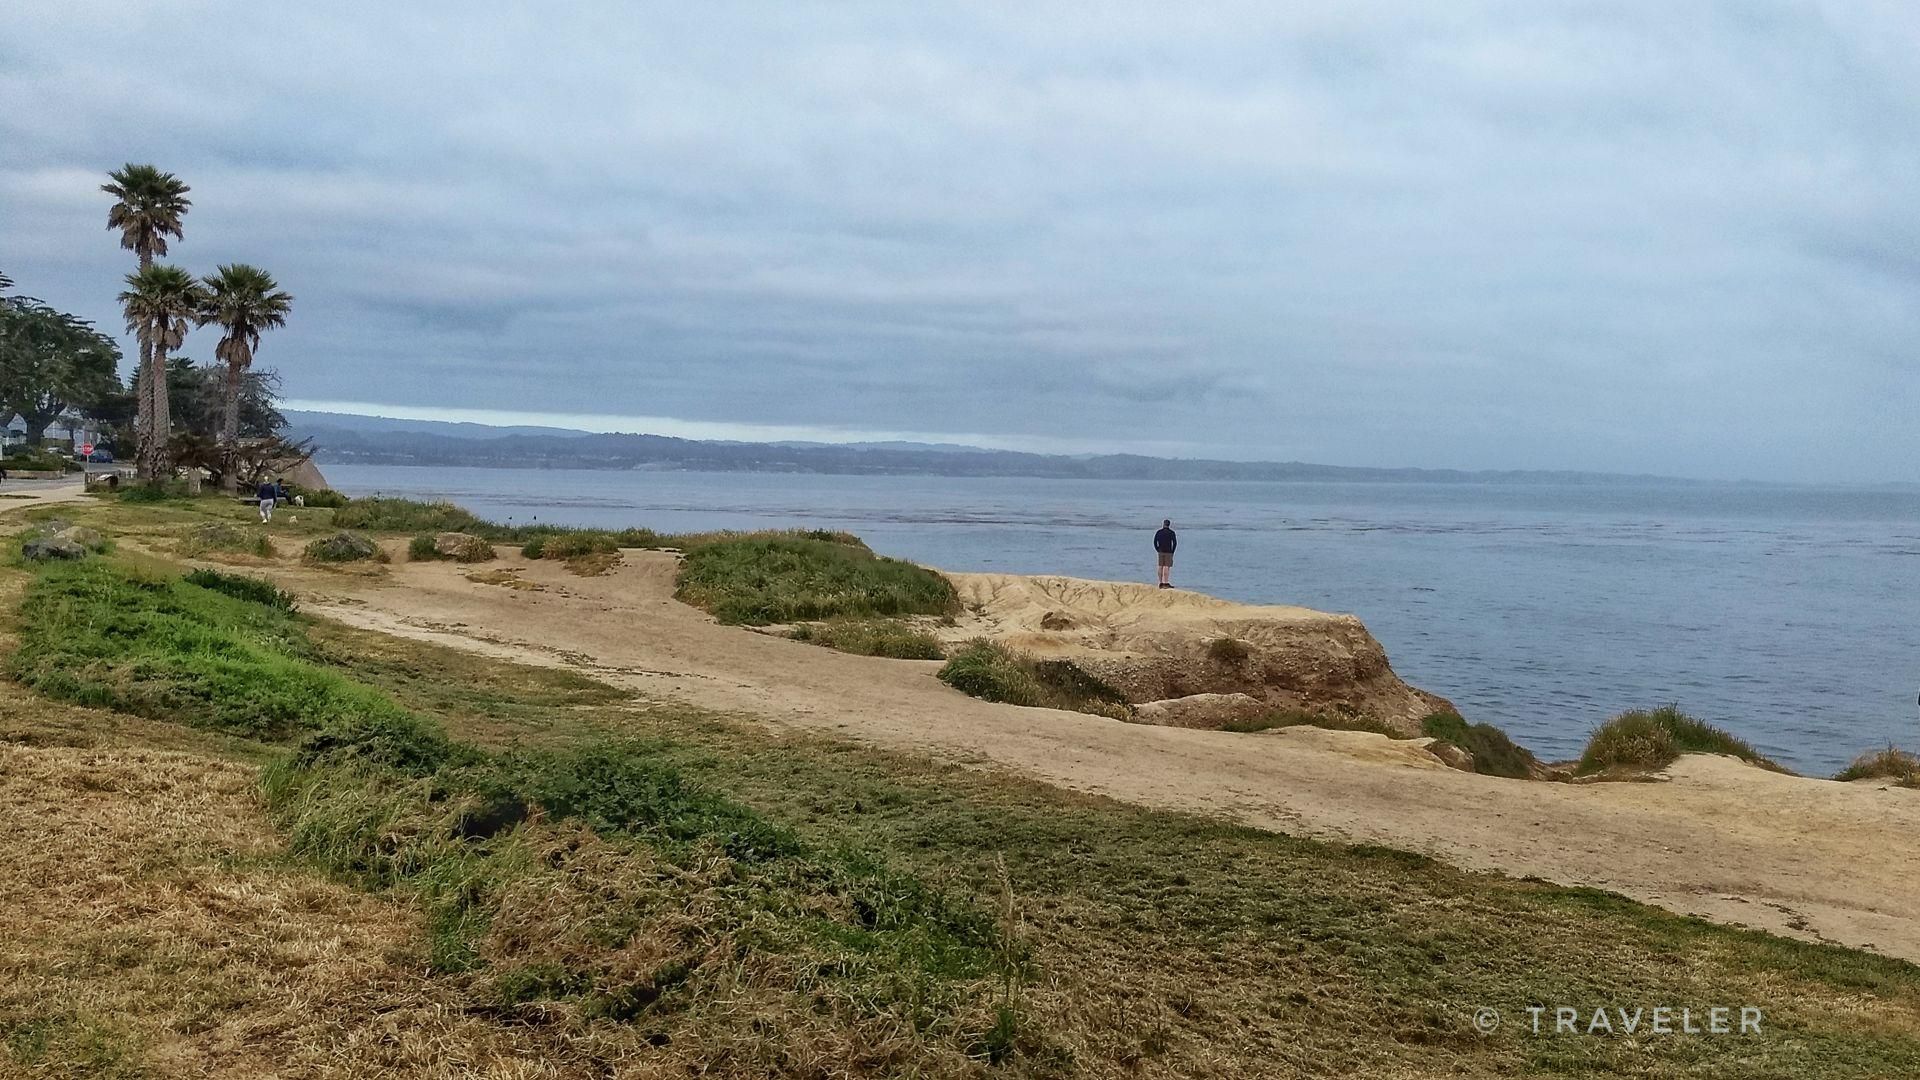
[(1679, 238)]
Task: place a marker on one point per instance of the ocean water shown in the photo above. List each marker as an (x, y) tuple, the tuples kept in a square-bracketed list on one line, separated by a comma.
[(1789, 615)]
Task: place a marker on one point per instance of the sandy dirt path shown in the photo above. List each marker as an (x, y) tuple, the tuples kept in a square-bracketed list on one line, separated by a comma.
[(1808, 858)]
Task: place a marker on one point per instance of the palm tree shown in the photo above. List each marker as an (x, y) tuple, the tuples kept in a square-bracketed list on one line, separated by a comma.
[(159, 301), (244, 301), (148, 206)]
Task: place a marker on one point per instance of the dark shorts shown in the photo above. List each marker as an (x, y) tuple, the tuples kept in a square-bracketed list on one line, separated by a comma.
[(1166, 558)]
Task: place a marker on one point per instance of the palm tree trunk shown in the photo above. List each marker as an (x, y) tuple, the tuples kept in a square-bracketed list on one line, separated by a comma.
[(230, 432), (160, 431), (143, 398)]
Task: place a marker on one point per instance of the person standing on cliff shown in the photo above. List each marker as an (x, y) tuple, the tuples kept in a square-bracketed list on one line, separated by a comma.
[(1164, 542)]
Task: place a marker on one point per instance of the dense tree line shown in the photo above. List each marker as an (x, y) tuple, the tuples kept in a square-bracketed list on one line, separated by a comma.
[(52, 363)]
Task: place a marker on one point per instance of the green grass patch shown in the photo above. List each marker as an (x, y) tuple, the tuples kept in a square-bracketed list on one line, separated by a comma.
[(891, 638), (993, 672), (1285, 718), (381, 514), (574, 545), (1494, 754), (759, 581), (1640, 741), (241, 587), (102, 634)]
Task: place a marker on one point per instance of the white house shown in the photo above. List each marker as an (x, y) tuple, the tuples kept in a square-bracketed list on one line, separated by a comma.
[(70, 429)]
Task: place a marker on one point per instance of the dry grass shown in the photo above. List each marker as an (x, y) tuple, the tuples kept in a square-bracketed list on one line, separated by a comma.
[(593, 564), (150, 927), (506, 579)]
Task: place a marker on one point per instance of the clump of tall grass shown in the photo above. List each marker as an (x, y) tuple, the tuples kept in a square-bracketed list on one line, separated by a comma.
[(1644, 740), (1893, 764), (1230, 651), (228, 537), (459, 547), (890, 638), (241, 587), (1494, 754), (783, 580), (574, 545), (993, 672)]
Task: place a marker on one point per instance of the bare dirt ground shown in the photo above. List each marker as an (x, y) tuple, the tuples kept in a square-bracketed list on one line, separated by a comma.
[(1807, 858)]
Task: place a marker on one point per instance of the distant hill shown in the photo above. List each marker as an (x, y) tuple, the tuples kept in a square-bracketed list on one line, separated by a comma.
[(343, 438), (353, 422)]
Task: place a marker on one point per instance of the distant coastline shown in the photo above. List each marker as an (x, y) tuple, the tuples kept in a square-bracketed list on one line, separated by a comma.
[(364, 440)]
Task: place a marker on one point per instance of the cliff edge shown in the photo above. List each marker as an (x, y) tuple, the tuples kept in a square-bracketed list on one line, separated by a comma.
[(1193, 660)]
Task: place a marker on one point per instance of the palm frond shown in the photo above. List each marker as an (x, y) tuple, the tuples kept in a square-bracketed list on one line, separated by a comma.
[(148, 207)]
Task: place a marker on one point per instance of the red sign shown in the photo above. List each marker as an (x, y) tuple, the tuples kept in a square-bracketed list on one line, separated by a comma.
[(86, 449)]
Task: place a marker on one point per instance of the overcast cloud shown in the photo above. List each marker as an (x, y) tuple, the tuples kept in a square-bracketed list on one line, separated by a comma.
[(1677, 238)]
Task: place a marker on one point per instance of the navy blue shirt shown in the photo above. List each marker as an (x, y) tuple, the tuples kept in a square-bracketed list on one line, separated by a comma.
[(267, 492), (1164, 541)]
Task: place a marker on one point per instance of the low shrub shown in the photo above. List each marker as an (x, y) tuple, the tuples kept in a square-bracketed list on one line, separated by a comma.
[(1642, 740), (171, 491), (240, 587), (16, 462), (321, 497), (784, 580), (459, 547), (226, 536), (1494, 754), (571, 545), (992, 672), (872, 637), (341, 547), (1229, 651), (1892, 763)]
